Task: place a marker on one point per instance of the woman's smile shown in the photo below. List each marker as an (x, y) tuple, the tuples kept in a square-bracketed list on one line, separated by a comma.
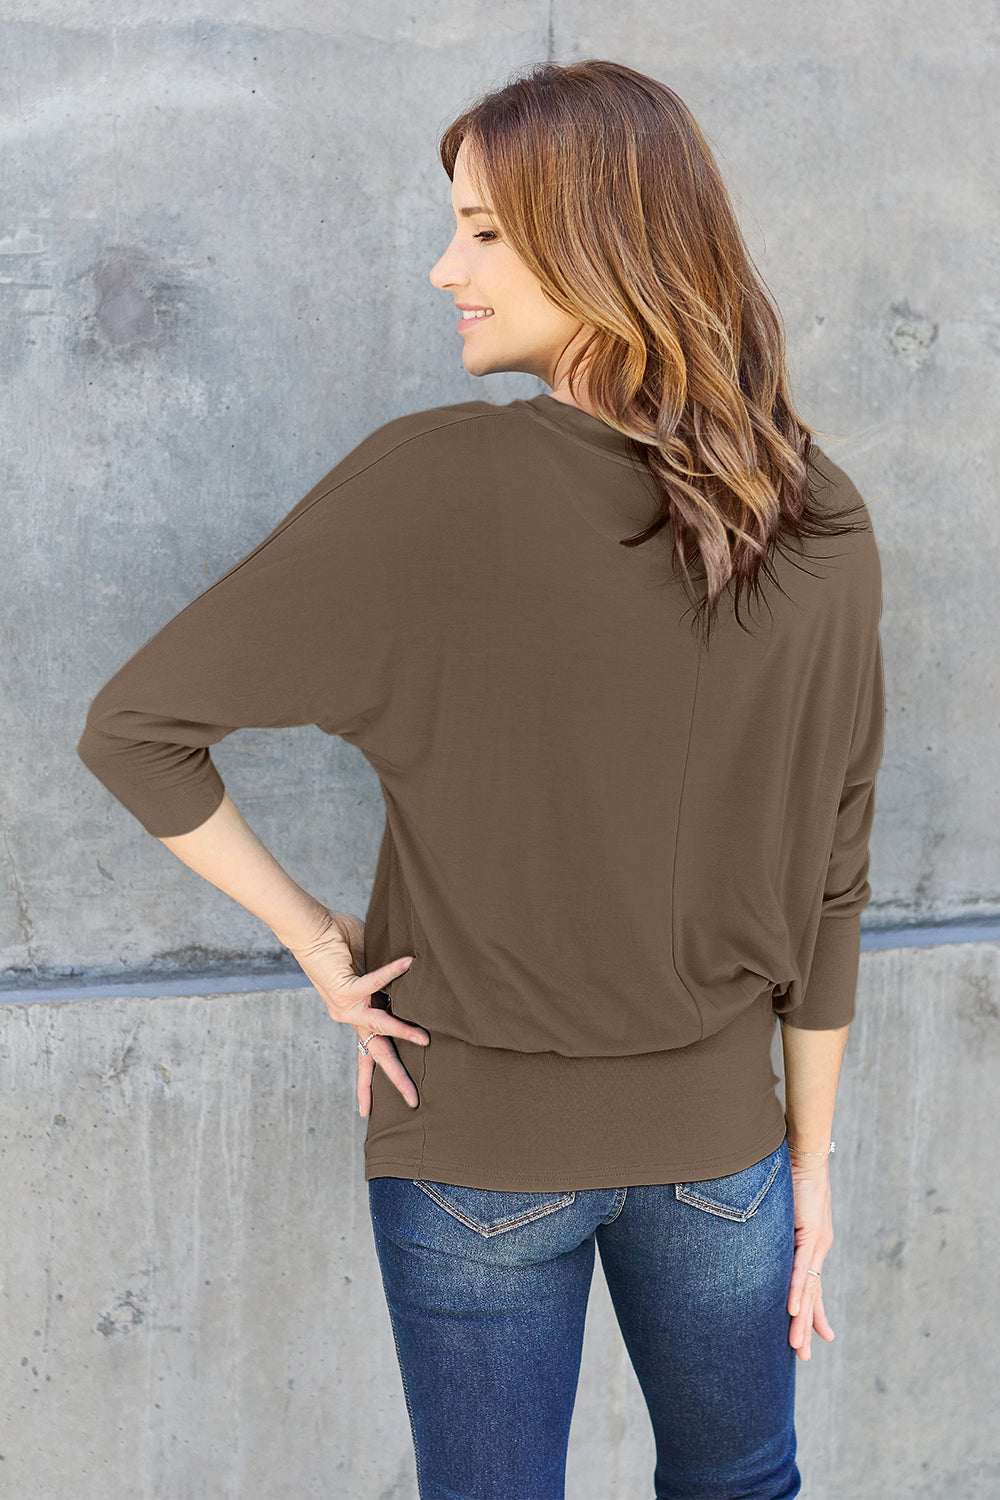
[(469, 319)]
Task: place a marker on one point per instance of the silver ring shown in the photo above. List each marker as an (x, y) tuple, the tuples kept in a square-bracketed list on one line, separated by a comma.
[(808, 1272), (363, 1046)]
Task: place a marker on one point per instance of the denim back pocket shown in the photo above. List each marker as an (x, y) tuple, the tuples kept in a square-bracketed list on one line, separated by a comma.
[(489, 1212), (737, 1196)]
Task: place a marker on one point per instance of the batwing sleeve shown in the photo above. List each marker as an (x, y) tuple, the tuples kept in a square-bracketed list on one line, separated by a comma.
[(295, 633), (830, 988)]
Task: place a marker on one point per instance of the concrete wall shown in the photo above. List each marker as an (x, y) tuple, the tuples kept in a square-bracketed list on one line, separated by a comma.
[(218, 220), (192, 1307)]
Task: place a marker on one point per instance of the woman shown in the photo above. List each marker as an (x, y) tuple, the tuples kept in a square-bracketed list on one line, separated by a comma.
[(618, 840)]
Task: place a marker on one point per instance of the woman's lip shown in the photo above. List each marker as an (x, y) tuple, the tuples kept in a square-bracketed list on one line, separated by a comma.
[(469, 322)]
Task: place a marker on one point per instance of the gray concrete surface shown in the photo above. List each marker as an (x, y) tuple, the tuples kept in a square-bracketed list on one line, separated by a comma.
[(216, 224), (191, 1307)]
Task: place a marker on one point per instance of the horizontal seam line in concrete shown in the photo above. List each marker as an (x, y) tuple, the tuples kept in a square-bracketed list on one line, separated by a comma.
[(235, 983)]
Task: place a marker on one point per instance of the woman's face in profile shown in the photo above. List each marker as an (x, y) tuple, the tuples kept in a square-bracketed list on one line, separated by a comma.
[(522, 329)]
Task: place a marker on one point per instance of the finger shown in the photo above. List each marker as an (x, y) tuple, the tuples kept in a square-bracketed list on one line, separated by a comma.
[(821, 1322), (366, 1073), (366, 1019), (801, 1324), (366, 1070), (801, 1299), (799, 1338), (799, 1334), (387, 972), (808, 1258), (375, 1018), (384, 1053), (798, 1294), (812, 1315)]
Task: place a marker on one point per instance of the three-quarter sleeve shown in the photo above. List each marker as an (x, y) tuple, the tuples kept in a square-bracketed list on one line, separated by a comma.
[(293, 634), (831, 985)]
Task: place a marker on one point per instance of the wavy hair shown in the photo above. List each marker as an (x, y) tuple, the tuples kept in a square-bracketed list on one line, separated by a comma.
[(607, 190)]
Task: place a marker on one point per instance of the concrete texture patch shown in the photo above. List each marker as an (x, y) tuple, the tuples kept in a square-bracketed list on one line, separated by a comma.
[(191, 1298)]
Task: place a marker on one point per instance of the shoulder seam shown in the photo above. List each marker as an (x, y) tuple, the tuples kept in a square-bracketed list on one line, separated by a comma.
[(289, 520), (457, 421)]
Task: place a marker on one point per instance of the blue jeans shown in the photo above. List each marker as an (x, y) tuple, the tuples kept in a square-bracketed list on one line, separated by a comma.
[(487, 1293)]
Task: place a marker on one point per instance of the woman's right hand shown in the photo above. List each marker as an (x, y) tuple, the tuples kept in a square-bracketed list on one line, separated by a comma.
[(334, 961), (813, 1238)]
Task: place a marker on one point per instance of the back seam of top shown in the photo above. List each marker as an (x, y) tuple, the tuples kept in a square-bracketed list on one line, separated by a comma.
[(677, 840)]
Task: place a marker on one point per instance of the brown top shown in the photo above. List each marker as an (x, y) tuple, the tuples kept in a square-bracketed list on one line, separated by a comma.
[(614, 852)]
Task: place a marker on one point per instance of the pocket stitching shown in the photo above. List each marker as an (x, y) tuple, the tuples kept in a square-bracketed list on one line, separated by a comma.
[(682, 1190), (515, 1221)]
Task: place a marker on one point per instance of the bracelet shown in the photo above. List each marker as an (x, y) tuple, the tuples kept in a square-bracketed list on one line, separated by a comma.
[(833, 1147)]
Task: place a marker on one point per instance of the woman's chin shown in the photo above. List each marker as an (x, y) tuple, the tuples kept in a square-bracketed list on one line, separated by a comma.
[(478, 362)]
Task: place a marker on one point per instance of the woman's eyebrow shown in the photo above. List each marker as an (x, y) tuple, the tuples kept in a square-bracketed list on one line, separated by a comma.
[(476, 208)]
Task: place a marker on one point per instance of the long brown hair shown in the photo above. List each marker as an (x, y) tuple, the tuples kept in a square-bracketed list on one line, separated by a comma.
[(606, 188)]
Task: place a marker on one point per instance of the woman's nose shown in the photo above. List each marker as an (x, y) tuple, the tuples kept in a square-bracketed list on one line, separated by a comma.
[(446, 272)]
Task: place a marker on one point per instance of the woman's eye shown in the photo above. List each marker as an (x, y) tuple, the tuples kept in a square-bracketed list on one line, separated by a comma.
[(486, 234)]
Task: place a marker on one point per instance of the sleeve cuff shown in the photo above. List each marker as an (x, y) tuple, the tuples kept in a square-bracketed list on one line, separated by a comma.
[(169, 795), (833, 977)]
